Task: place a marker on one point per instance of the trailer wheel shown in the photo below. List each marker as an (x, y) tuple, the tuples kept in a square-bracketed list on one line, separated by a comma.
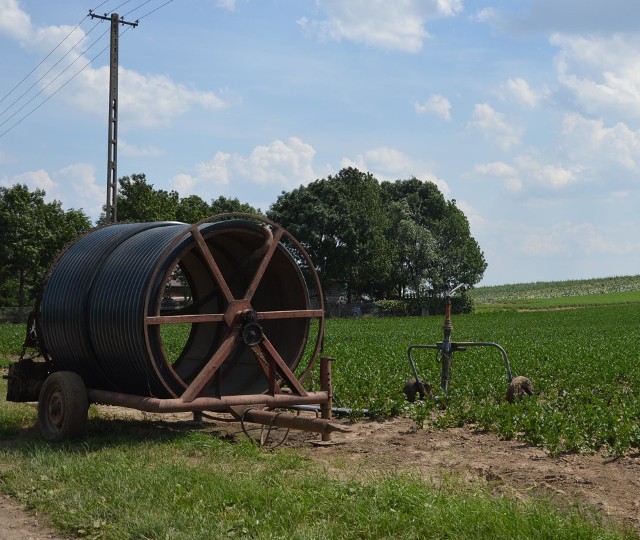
[(63, 406)]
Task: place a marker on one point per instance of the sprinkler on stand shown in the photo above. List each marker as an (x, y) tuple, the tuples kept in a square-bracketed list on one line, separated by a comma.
[(518, 386)]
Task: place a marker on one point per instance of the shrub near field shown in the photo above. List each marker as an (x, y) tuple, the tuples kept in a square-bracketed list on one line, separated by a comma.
[(583, 364)]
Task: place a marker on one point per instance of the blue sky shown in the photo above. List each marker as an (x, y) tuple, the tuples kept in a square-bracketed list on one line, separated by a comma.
[(526, 113)]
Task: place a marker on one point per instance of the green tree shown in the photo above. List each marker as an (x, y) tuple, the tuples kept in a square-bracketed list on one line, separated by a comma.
[(192, 209), (32, 232), (138, 201), (458, 257), (462, 260), (425, 201), (223, 205), (341, 222), (413, 250)]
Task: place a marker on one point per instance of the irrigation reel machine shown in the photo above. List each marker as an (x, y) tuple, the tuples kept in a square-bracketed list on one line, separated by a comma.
[(253, 326)]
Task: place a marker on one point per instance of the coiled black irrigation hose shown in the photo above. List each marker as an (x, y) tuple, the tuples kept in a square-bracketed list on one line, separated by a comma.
[(99, 310)]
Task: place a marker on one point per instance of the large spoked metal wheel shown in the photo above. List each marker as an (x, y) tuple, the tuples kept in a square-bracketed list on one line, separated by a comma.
[(256, 302), (63, 407)]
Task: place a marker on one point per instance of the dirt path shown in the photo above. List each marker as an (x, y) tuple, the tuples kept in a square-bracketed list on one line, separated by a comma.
[(611, 486), (18, 524)]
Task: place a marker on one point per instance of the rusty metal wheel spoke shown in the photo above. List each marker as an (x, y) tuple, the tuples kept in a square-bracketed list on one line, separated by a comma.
[(205, 376), (286, 374), (182, 319), (290, 314), (264, 263), (211, 263)]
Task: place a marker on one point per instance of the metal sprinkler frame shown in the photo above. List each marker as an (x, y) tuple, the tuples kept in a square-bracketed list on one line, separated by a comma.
[(518, 386)]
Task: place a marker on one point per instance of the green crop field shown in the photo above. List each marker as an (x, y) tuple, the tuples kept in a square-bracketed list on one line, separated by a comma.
[(544, 295)]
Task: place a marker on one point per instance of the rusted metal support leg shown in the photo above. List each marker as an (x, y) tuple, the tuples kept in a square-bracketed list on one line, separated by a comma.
[(325, 385)]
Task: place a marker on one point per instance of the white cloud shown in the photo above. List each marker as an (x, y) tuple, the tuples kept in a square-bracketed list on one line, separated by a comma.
[(602, 73), (395, 25), (281, 164), (216, 170), (391, 164), (537, 174), (39, 179), (436, 105), (590, 141), (449, 8), (229, 5), (285, 164), (472, 214), (499, 169), (129, 150), (494, 126), (183, 183), (495, 168), (530, 173), (514, 185), (75, 186), (518, 90), (571, 238), (485, 15), (154, 100), (14, 22)]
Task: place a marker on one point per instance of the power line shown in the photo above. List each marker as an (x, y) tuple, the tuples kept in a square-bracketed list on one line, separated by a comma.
[(99, 5), (42, 61), (50, 69), (50, 82), (54, 93), (154, 10), (137, 8), (115, 9)]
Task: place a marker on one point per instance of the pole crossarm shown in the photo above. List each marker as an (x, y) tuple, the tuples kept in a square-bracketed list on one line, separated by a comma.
[(106, 17)]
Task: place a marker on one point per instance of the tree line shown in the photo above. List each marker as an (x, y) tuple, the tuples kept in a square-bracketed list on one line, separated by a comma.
[(379, 239)]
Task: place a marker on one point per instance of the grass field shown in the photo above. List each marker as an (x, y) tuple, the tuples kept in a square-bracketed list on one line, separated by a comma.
[(153, 484)]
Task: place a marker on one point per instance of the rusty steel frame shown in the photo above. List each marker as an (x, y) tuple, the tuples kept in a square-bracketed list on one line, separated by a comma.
[(249, 407)]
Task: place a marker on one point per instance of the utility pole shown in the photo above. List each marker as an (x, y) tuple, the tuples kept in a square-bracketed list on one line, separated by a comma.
[(112, 148)]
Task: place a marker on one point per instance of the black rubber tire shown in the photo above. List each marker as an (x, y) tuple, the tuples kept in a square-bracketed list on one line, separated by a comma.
[(63, 407)]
